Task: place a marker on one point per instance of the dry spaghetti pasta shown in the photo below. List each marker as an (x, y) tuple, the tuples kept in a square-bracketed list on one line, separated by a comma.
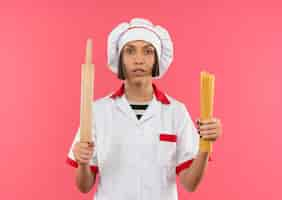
[(206, 104)]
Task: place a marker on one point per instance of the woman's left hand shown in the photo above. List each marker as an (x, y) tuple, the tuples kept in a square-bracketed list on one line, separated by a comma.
[(209, 130)]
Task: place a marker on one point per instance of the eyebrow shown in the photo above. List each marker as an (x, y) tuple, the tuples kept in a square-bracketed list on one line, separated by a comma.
[(145, 46)]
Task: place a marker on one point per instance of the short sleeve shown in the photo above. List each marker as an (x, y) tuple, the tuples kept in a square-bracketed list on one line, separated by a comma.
[(188, 141), (70, 157)]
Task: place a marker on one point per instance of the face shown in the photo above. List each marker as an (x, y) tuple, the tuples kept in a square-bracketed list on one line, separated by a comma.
[(138, 59)]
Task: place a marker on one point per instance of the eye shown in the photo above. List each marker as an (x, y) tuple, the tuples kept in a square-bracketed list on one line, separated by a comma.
[(149, 51), (129, 50)]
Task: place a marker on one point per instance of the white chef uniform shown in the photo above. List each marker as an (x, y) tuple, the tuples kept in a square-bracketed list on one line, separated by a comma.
[(140, 159)]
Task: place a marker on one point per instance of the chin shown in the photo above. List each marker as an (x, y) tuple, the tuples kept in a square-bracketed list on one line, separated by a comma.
[(138, 80)]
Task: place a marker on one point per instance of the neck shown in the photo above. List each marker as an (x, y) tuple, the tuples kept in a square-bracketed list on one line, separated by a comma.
[(139, 91)]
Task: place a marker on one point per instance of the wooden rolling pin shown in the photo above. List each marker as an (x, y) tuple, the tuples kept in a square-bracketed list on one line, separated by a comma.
[(87, 92), (207, 101)]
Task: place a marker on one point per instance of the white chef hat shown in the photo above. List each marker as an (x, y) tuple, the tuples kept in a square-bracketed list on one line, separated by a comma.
[(140, 29)]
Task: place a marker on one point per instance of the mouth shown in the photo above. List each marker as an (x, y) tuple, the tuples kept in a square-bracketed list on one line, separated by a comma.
[(138, 70)]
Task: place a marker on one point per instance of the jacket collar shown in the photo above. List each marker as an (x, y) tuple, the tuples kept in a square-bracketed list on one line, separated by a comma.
[(160, 96)]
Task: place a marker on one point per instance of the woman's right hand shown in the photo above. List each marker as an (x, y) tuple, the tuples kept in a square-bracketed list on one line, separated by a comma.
[(83, 152)]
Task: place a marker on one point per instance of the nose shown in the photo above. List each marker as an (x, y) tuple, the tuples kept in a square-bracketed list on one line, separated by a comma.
[(139, 58)]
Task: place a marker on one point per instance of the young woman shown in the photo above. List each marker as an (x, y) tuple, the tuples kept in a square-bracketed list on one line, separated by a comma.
[(143, 138)]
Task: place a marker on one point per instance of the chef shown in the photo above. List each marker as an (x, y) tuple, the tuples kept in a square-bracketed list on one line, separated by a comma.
[(142, 137)]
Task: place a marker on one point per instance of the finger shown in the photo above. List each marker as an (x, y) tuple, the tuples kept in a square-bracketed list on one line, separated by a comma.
[(210, 137), (90, 144), (85, 152), (207, 127), (81, 155), (207, 121), (209, 132), (92, 148), (86, 155), (83, 144), (87, 147)]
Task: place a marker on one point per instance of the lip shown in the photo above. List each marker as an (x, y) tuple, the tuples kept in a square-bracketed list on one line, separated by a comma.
[(138, 70)]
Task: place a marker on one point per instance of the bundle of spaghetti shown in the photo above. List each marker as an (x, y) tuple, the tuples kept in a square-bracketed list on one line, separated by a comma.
[(206, 104)]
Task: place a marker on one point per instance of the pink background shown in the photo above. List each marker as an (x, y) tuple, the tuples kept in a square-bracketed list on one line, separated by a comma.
[(42, 48)]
